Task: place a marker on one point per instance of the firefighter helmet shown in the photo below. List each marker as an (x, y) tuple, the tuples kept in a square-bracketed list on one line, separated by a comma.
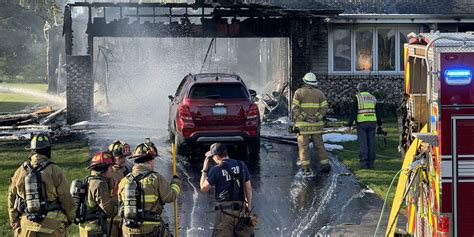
[(310, 79), (144, 152), (39, 141), (101, 159), (119, 148)]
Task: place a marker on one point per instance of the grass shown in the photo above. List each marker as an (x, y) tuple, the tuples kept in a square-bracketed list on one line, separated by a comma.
[(387, 163), (72, 156), (10, 102)]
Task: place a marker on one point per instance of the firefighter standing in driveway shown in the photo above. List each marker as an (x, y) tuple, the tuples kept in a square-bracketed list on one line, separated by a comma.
[(121, 167), (101, 203), (365, 113), (233, 192), (39, 201), (143, 194), (309, 107)]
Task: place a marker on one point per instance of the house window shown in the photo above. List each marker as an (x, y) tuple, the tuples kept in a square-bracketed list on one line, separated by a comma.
[(364, 44), (342, 49), (362, 50), (386, 49), (403, 39)]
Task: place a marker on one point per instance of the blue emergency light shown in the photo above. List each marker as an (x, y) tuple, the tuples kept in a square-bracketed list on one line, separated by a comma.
[(458, 76)]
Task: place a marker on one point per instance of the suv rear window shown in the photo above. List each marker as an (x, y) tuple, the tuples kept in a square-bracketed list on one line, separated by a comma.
[(218, 91)]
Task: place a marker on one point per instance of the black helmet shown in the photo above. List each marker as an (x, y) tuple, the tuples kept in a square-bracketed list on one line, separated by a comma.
[(119, 148), (39, 141)]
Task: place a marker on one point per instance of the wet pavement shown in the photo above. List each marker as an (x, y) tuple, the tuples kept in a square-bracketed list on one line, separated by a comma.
[(286, 203)]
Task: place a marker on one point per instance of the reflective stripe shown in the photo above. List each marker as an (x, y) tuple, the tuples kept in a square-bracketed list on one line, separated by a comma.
[(151, 197), (305, 162), (310, 128), (175, 187), (56, 215), (310, 106), (151, 222), (324, 162), (306, 124), (363, 111), (37, 228), (296, 102), (88, 227), (323, 104)]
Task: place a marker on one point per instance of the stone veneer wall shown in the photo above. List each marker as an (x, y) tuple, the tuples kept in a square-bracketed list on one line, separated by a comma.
[(340, 91), (79, 88)]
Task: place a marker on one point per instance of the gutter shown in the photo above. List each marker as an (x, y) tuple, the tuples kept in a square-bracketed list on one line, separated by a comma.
[(402, 18)]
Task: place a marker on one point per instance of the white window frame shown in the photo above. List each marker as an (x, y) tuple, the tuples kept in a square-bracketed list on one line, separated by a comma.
[(352, 29), (331, 52)]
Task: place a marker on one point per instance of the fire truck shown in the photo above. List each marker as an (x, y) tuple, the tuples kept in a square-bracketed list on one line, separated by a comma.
[(435, 189)]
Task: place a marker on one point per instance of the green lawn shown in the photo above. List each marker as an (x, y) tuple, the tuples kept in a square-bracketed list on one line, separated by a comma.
[(387, 162), (72, 156), (10, 102)]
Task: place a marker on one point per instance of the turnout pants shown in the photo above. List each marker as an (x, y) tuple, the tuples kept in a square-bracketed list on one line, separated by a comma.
[(366, 139), (304, 152), (53, 225), (226, 222)]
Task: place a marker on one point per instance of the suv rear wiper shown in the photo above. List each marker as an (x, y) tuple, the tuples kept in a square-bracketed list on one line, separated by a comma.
[(216, 96)]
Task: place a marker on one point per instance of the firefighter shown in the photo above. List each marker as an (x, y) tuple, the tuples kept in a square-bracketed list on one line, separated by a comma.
[(120, 150), (38, 197), (101, 201), (233, 192), (309, 107), (143, 194), (365, 113)]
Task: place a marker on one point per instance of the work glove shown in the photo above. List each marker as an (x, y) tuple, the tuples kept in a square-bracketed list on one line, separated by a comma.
[(176, 180), (15, 225)]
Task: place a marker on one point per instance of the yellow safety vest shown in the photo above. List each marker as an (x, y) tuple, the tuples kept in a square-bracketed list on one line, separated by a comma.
[(366, 107)]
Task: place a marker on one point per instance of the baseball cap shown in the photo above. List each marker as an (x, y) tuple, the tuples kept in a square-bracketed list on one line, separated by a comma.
[(216, 149)]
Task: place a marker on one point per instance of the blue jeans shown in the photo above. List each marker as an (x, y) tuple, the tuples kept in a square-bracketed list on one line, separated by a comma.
[(366, 138)]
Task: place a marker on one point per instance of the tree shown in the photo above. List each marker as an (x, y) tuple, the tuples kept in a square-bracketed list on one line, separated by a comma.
[(22, 39)]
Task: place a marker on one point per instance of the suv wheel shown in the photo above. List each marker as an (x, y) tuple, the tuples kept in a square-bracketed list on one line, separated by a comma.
[(180, 149), (253, 149)]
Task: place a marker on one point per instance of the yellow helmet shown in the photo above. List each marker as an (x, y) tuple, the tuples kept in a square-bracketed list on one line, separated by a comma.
[(310, 79), (39, 141), (144, 152)]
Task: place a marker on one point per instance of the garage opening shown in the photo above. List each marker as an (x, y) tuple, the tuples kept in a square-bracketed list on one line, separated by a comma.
[(134, 76)]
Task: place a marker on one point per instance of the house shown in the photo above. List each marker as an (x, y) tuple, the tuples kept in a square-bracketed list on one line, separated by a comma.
[(365, 43)]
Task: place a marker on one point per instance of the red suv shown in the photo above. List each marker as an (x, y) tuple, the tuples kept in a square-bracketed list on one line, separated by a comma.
[(214, 107)]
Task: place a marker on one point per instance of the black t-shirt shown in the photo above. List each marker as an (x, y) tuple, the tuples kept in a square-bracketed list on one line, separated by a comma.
[(219, 178)]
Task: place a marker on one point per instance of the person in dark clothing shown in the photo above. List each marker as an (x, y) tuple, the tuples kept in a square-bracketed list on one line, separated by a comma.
[(233, 192), (366, 114)]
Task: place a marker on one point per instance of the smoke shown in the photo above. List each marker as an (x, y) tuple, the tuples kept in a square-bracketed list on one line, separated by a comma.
[(134, 76)]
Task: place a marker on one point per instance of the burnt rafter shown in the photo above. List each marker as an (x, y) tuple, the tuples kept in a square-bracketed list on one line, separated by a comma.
[(196, 20)]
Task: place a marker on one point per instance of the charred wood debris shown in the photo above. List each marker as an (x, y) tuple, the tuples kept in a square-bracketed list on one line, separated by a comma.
[(20, 125)]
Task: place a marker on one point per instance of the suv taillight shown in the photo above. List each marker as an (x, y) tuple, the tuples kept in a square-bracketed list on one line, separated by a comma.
[(443, 226), (184, 113), (253, 112), (185, 123)]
